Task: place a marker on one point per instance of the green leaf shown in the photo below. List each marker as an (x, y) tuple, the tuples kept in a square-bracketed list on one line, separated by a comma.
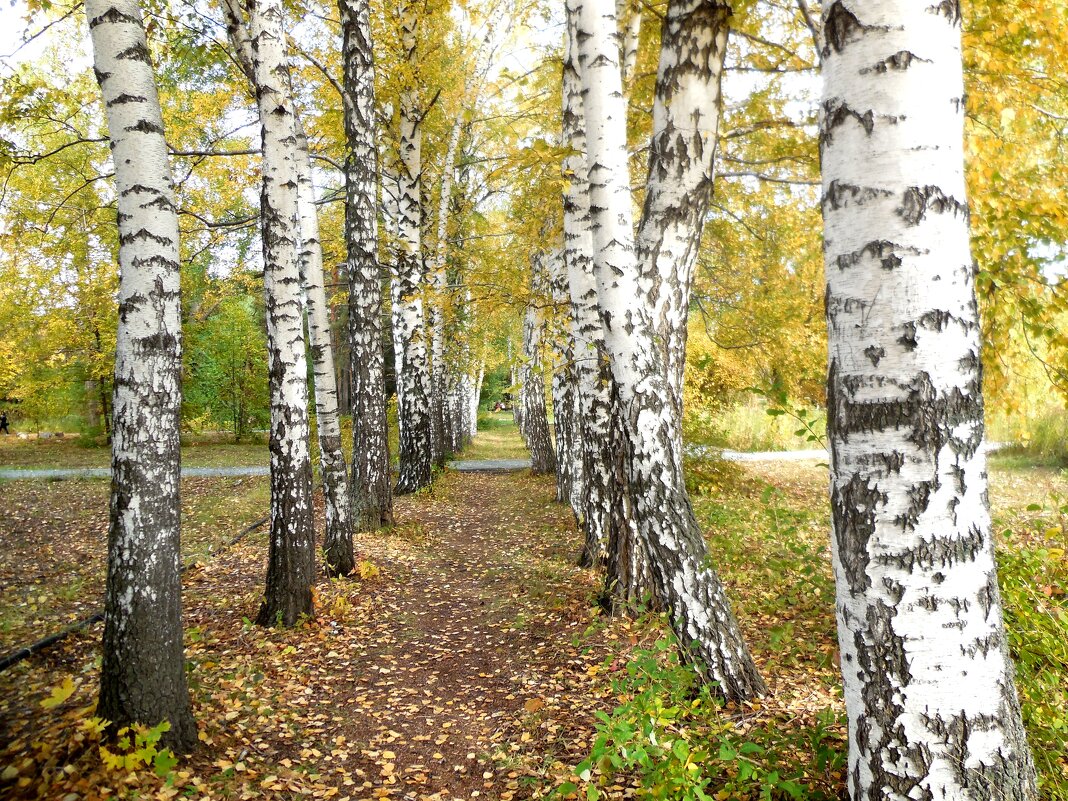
[(164, 762)]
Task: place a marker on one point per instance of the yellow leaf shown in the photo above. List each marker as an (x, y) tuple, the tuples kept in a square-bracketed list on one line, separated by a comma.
[(59, 694)]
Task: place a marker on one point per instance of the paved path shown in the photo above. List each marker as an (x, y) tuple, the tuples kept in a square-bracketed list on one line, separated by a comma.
[(55, 473)]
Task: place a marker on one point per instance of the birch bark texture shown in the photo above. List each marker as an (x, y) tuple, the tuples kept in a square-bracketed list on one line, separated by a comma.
[(593, 504), (659, 506), (142, 678), (370, 489), (929, 686), (337, 541), (535, 423), (291, 554), (409, 318)]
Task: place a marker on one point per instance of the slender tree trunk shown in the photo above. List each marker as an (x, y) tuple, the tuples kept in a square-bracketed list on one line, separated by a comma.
[(681, 171), (337, 543), (929, 687), (629, 17), (291, 555), (535, 428), (142, 678), (438, 279), (371, 492), (658, 503), (565, 396), (409, 322)]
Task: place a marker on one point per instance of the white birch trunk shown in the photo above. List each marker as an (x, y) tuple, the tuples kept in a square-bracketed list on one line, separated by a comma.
[(535, 424), (929, 685), (291, 558), (681, 170), (629, 18), (593, 504), (337, 543), (370, 491), (659, 505), (565, 394), (142, 678), (442, 438), (409, 318)]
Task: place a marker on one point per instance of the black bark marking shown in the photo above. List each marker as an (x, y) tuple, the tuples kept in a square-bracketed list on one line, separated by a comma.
[(898, 62), (145, 126), (950, 9), (875, 354), (840, 194), (837, 113), (853, 510), (919, 200), (942, 552), (113, 15), (135, 52), (126, 98), (840, 28), (888, 254)]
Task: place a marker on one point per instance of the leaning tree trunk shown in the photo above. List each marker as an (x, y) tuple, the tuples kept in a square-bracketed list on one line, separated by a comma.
[(659, 505), (409, 322), (593, 505), (929, 688), (337, 544), (370, 490), (535, 428), (291, 558), (681, 171), (142, 678)]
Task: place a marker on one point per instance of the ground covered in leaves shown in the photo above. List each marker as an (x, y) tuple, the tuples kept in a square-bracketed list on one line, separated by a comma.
[(468, 657)]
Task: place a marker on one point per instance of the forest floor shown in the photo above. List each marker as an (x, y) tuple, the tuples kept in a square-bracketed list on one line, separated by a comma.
[(468, 657)]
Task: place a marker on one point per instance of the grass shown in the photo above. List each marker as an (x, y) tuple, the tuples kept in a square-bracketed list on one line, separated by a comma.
[(497, 438), (75, 453), (749, 427)]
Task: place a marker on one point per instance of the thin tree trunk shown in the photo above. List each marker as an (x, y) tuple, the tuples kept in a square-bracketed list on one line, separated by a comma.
[(291, 556), (337, 543), (442, 437), (629, 17), (929, 686), (409, 322), (371, 492), (535, 427), (681, 171), (565, 396), (142, 677), (659, 506)]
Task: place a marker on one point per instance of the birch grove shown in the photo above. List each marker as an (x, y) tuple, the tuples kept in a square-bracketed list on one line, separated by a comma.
[(142, 678), (929, 688)]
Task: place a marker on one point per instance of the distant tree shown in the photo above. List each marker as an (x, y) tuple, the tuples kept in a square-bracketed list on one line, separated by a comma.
[(142, 677), (929, 689), (535, 428)]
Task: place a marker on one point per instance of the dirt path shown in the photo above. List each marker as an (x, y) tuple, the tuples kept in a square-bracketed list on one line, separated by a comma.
[(463, 669)]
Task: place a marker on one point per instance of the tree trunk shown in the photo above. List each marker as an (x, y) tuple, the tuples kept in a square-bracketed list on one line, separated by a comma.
[(337, 543), (535, 424), (929, 688), (681, 171), (565, 396), (593, 507), (142, 678), (659, 506), (371, 493), (291, 555), (442, 437), (409, 323)]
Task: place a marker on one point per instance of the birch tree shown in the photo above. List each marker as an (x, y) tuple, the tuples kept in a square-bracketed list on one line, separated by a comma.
[(337, 542), (291, 554), (659, 506), (929, 688), (409, 319), (142, 678), (535, 428), (371, 493), (593, 506)]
